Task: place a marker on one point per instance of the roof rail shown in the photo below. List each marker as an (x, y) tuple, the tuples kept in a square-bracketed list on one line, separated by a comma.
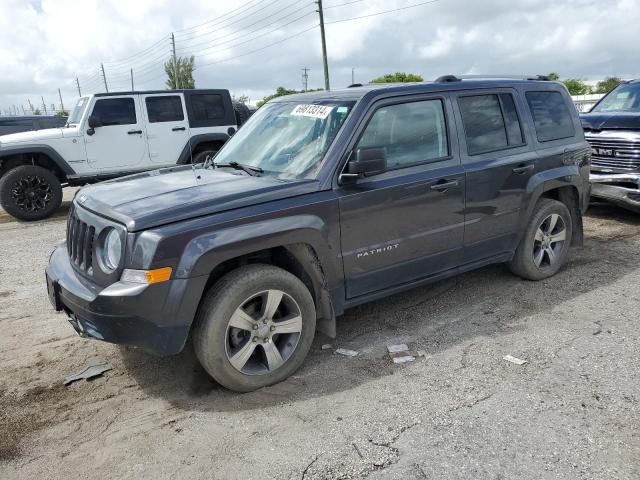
[(447, 78), (506, 77)]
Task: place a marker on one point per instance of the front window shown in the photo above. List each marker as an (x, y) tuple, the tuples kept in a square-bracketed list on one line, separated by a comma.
[(78, 111), (625, 98), (287, 139)]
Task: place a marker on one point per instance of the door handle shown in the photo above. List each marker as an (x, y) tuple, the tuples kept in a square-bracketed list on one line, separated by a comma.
[(134, 132), (523, 169), (444, 185), (177, 129)]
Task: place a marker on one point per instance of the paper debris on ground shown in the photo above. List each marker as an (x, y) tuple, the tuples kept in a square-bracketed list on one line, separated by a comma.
[(404, 359), (326, 346), (397, 348), (517, 361), (93, 369), (346, 352)]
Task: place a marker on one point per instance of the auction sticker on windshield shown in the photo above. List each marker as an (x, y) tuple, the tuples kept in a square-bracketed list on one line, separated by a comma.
[(315, 111)]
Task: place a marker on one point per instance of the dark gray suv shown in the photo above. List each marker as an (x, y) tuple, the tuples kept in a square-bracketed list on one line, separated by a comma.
[(321, 202)]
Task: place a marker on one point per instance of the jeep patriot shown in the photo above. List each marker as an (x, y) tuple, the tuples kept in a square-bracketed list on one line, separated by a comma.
[(321, 202)]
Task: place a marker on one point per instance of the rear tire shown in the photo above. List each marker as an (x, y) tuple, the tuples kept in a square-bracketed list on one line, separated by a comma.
[(201, 157), (254, 327), (30, 193), (545, 244)]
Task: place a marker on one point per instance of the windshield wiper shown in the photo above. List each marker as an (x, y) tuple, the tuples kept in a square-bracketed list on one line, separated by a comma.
[(251, 170)]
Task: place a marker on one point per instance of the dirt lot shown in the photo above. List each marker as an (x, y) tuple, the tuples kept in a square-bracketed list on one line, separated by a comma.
[(463, 412)]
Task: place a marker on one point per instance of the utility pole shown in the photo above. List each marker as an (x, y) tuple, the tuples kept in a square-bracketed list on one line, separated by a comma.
[(305, 78), (324, 46), (104, 77), (175, 62), (61, 102), (22, 107), (132, 89), (353, 75), (30, 106), (78, 84), (44, 105)]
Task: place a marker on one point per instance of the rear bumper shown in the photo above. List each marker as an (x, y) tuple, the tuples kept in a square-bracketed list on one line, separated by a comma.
[(156, 318), (622, 189)]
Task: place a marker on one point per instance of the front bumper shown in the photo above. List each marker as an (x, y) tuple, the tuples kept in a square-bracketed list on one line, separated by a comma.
[(622, 189), (155, 317)]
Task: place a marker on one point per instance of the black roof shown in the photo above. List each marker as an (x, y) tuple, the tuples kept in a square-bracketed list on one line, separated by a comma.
[(30, 117), (357, 92), (150, 92)]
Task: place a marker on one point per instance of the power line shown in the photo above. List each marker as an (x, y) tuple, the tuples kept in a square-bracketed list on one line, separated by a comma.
[(138, 54), (343, 4), (216, 49), (382, 13), (262, 48), (251, 25), (218, 18)]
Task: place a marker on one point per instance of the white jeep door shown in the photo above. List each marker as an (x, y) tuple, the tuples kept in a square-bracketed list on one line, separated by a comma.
[(167, 127), (119, 143)]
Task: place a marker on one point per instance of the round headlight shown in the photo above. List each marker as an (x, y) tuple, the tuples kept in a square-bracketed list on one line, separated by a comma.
[(112, 251)]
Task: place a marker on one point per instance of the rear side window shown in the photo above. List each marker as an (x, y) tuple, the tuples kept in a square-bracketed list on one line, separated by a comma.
[(207, 107), (411, 133), (115, 111), (490, 123), (551, 115), (167, 108)]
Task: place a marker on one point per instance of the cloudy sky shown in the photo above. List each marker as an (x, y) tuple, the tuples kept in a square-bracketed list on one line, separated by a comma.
[(253, 46)]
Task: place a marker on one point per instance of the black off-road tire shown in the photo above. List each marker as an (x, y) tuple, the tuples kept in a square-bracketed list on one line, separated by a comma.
[(201, 157), (210, 334), (523, 263), (19, 188)]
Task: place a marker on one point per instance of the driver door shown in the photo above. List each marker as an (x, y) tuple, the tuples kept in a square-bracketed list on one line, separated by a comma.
[(406, 223), (119, 143)]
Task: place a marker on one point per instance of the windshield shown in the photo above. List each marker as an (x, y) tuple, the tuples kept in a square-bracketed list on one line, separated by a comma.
[(78, 111), (625, 98), (286, 139)]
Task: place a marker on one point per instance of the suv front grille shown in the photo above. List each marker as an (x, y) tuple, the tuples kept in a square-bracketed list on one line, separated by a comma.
[(615, 154), (80, 237)]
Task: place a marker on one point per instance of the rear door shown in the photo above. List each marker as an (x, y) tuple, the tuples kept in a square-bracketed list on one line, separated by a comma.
[(406, 223), (167, 127), (119, 144), (499, 161)]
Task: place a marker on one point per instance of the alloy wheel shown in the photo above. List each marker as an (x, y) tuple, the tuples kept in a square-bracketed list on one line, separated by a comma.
[(263, 332), (32, 193), (549, 241)]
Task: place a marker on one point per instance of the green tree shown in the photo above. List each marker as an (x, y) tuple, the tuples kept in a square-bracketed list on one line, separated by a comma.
[(241, 99), (180, 72), (608, 84), (553, 76), (62, 113), (37, 112), (398, 77), (576, 87)]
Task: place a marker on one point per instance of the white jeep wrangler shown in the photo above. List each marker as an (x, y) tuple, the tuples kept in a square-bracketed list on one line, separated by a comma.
[(109, 135)]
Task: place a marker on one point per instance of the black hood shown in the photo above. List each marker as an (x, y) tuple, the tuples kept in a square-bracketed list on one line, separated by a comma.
[(610, 121), (164, 196)]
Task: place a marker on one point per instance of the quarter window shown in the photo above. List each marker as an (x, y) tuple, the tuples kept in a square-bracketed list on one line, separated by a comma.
[(551, 115), (411, 133), (166, 108), (490, 123), (207, 107), (115, 111)]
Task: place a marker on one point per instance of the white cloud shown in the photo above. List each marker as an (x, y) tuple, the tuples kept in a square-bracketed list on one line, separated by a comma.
[(45, 44)]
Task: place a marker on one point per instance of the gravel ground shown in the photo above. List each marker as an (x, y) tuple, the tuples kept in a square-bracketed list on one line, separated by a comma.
[(461, 412)]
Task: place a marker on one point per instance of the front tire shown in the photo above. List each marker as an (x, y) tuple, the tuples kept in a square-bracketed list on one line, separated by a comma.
[(254, 327), (30, 193), (545, 244), (201, 157)]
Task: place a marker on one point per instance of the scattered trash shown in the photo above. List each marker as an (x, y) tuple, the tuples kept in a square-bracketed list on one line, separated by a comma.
[(398, 348), (404, 359), (326, 346), (346, 352), (93, 369), (421, 353), (517, 361)]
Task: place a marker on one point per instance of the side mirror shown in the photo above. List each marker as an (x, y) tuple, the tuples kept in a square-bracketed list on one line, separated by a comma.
[(367, 161), (94, 121)]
